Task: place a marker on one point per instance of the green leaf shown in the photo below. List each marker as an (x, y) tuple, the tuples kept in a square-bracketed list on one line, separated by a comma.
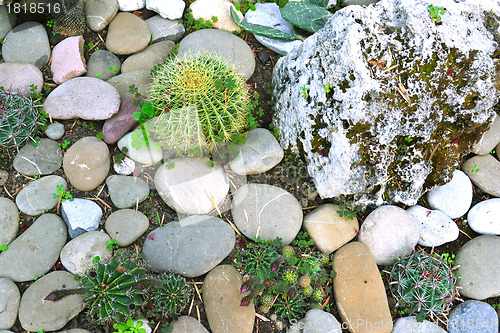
[(148, 109), (306, 16), (320, 3), (262, 30)]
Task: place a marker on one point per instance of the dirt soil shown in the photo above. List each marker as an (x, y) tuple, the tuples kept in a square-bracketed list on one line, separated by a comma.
[(290, 174)]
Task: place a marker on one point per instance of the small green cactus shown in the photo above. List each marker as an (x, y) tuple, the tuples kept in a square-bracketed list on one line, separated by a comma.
[(308, 291), (304, 281), (423, 284), (200, 100), (317, 295), (266, 299), (288, 251), (290, 276), (172, 295), (18, 119)]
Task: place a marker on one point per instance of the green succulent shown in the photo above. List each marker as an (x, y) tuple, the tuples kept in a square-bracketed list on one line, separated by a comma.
[(290, 276), (18, 119), (317, 295), (423, 284), (308, 16), (290, 307), (266, 299), (256, 259), (308, 291), (288, 251), (199, 100), (171, 295), (114, 290)]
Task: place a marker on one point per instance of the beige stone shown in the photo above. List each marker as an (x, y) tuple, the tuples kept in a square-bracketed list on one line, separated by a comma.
[(221, 9), (221, 295), (86, 163), (484, 172), (359, 291), (127, 34), (328, 229), (149, 57)]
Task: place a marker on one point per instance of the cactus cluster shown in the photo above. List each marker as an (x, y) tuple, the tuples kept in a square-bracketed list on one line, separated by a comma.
[(18, 119), (308, 16), (200, 100), (288, 280), (423, 284), (120, 289), (172, 294)]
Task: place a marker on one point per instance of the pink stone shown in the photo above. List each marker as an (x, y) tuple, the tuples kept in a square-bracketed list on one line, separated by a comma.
[(67, 59), (19, 77), (118, 125)]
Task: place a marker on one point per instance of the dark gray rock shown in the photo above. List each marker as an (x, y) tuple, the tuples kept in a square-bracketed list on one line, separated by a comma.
[(9, 220), (190, 247), (36, 313), (165, 29), (81, 215), (43, 159), (9, 301), (99, 65), (364, 133), (27, 43), (38, 196), (7, 21), (126, 191), (34, 252)]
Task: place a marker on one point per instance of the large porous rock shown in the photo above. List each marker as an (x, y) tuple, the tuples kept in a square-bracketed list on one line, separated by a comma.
[(383, 101)]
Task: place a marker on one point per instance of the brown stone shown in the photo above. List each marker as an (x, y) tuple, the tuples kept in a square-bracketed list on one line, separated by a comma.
[(86, 163), (127, 34), (328, 229), (221, 295), (359, 291)]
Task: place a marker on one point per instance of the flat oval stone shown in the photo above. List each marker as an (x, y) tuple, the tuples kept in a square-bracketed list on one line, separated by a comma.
[(260, 153), (483, 217), (83, 97), (411, 325), (19, 77), (38, 196), (127, 191), (222, 298), (43, 159), (266, 211), (99, 13), (140, 78), (7, 21), (67, 59), (185, 324), (149, 57), (188, 185), (473, 317), (131, 5), (453, 199), (36, 251), (36, 313), (165, 29), (221, 9), (127, 34), (27, 43), (80, 215), (359, 290), (328, 229), (126, 226), (230, 47), (99, 65), (389, 232), (484, 172), (9, 220), (78, 253), (436, 228), (190, 247), (489, 139), (117, 126), (55, 131), (171, 9), (9, 303), (86, 163), (479, 267)]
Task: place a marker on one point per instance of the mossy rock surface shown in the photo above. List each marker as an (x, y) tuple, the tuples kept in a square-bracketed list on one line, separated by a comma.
[(383, 102)]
